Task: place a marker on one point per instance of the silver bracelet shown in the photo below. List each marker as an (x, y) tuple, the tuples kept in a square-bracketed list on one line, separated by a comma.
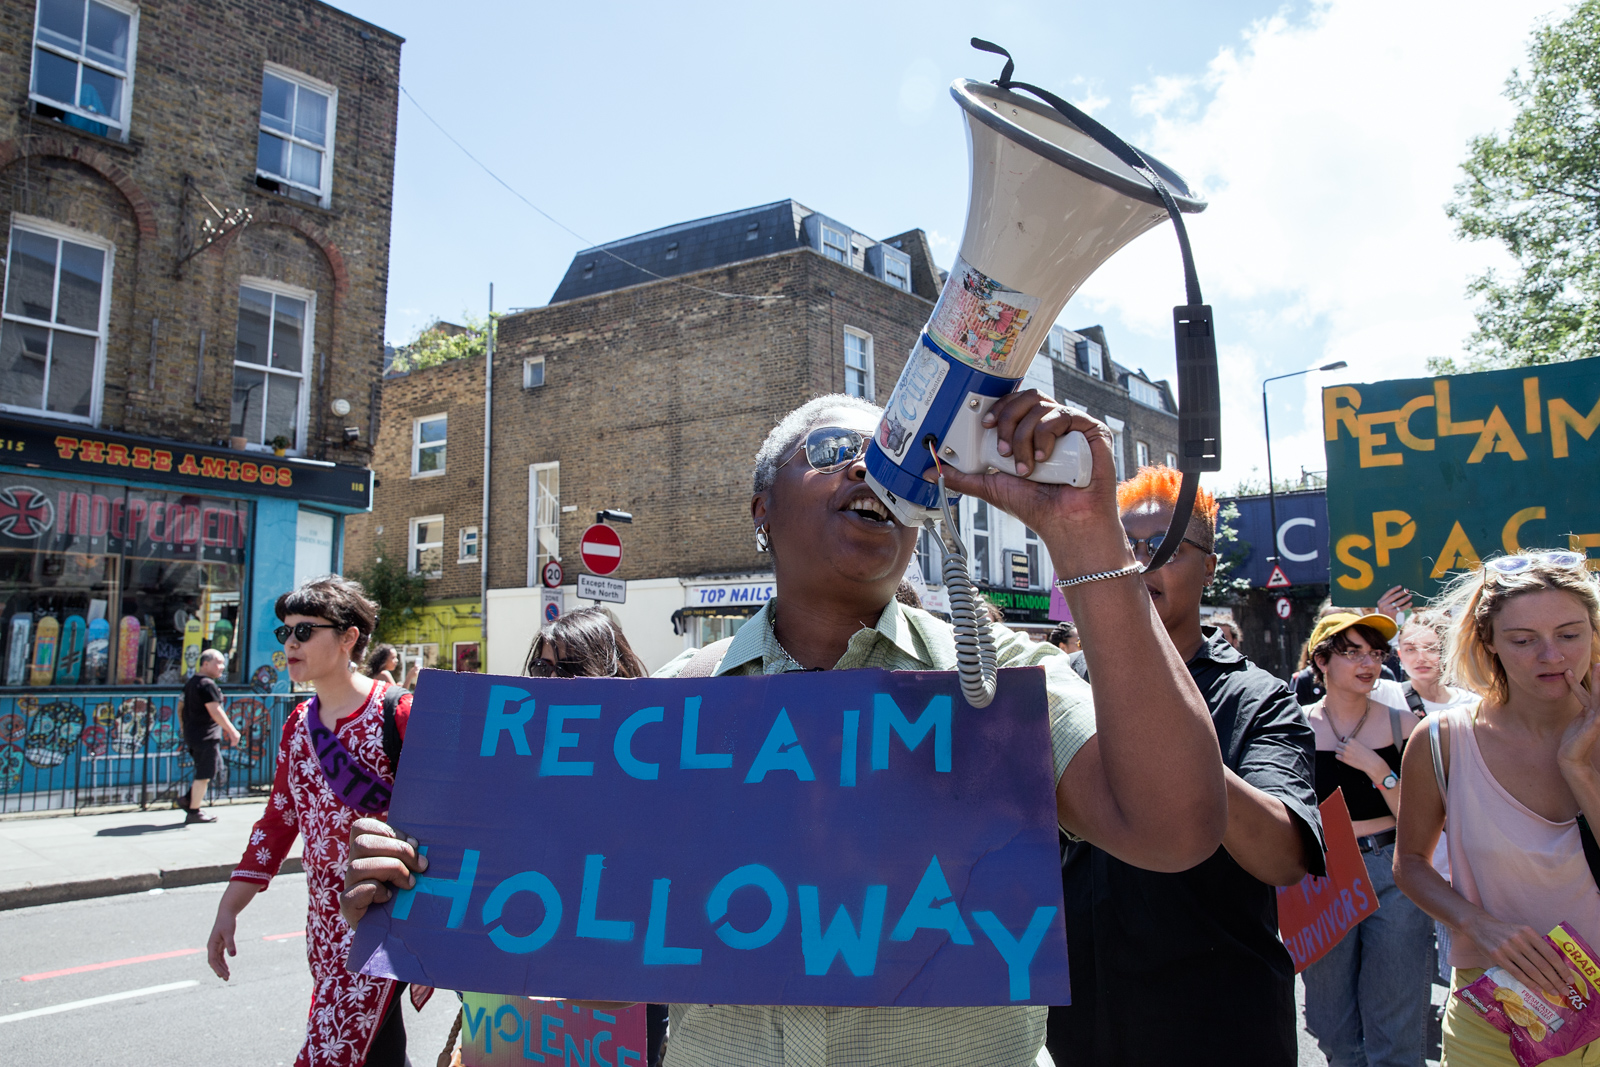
[(1100, 576)]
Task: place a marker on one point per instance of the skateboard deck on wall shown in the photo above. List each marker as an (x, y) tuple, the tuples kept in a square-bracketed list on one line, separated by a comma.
[(128, 649), (97, 652), (193, 634), (45, 636), (69, 656), (21, 646), (222, 636)]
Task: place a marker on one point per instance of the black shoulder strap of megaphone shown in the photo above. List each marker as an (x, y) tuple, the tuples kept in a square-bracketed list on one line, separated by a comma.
[(1199, 391)]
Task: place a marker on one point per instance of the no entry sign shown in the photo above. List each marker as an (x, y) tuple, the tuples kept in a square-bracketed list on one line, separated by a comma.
[(601, 549)]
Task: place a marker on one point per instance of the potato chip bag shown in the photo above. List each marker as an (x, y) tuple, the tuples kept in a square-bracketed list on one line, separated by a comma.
[(1542, 1027)]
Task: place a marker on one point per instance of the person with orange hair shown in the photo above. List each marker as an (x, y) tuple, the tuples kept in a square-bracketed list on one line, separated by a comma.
[(1217, 921)]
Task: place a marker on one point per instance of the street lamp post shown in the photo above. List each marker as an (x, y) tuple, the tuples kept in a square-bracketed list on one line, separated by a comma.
[(1272, 490)]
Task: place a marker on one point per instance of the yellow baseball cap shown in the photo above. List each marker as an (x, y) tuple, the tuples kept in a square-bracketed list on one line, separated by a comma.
[(1342, 620)]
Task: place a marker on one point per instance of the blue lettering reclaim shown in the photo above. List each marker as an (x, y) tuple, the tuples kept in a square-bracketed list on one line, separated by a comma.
[(671, 841)]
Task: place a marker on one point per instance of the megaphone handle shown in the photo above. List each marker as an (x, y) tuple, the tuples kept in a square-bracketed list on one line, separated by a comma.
[(1069, 464)]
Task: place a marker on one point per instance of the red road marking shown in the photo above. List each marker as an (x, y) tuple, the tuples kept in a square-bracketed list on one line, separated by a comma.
[(112, 963), (281, 937)]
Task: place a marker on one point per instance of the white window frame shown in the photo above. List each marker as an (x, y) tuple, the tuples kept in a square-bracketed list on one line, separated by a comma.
[(325, 193), (841, 252), (1141, 454), (467, 537), (1031, 546), (930, 557), (1117, 426), (536, 558), (45, 228), (870, 384), (120, 122), (267, 285), (982, 571), (1172, 460), (1144, 392), (528, 366), (413, 546), (417, 446), (901, 282)]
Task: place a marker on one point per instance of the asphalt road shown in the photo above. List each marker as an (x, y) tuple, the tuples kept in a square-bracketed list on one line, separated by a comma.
[(169, 1010)]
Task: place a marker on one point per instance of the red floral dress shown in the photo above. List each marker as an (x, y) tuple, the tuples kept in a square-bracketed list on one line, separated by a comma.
[(345, 1008)]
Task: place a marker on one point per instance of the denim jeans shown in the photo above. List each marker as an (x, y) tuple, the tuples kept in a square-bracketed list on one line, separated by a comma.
[(1368, 1000)]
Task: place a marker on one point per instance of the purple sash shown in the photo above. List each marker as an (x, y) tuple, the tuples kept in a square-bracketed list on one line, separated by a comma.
[(354, 786)]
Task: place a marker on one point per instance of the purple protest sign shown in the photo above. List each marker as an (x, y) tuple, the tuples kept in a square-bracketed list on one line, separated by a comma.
[(836, 837)]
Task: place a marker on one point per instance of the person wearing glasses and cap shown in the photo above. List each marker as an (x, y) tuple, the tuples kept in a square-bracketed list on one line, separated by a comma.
[(336, 762), (1136, 761), (1515, 782), (1368, 999)]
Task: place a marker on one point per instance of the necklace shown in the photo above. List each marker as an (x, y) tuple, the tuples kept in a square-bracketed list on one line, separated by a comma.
[(1344, 739), (797, 664)]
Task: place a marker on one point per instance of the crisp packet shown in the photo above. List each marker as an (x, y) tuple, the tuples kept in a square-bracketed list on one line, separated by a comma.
[(1541, 1026)]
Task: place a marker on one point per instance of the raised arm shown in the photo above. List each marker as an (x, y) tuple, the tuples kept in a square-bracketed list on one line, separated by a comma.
[(1148, 787)]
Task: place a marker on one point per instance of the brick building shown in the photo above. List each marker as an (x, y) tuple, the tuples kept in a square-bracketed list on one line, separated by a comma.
[(196, 200), (649, 381), (428, 503)]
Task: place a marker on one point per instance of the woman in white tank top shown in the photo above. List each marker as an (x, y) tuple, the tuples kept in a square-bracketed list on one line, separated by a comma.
[(1519, 768)]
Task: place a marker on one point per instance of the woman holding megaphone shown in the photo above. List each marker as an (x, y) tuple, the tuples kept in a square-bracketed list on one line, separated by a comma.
[(1136, 759)]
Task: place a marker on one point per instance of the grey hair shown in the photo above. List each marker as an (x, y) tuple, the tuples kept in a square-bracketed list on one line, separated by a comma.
[(786, 436), (214, 653)]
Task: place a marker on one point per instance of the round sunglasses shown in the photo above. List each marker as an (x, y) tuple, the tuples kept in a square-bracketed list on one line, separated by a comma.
[(1154, 542), (830, 449), (302, 631)]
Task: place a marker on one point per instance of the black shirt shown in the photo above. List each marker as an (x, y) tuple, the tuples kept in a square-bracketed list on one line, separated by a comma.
[(1360, 795), (1189, 965), (198, 725)]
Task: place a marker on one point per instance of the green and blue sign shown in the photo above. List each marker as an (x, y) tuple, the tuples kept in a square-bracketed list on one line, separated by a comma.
[(833, 838), (1429, 476)]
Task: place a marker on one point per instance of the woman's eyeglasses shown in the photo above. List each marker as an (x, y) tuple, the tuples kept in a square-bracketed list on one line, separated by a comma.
[(1352, 655), (543, 668), (302, 631), (1154, 541), (1520, 563), (830, 449)]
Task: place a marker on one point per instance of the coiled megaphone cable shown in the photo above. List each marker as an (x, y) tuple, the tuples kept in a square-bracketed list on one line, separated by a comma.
[(1199, 391), (975, 653)]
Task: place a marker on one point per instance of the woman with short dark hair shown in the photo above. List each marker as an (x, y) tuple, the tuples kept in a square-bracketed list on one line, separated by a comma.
[(354, 1019)]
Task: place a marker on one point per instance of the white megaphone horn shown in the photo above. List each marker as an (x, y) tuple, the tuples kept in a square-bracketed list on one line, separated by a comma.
[(1054, 194)]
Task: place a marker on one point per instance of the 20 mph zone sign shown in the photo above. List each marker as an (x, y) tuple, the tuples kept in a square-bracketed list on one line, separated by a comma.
[(601, 549)]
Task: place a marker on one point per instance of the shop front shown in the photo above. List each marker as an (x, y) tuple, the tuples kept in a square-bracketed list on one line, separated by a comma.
[(122, 558), (715, 608), (1025, 609)]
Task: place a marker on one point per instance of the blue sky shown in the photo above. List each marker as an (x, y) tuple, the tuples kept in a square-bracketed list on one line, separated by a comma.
[(1326, 136)]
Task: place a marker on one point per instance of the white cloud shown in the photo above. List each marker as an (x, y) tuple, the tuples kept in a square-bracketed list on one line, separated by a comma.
[(1327, 149)]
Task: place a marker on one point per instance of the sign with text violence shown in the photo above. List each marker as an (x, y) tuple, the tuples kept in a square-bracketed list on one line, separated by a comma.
[(836, 838), (1427, 476)]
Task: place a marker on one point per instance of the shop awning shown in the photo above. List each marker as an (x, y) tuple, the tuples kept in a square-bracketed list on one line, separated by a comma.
[(681, 617)]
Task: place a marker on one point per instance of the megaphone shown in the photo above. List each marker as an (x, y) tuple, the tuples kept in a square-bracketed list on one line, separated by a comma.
[(1048, 205), (1054, 195)]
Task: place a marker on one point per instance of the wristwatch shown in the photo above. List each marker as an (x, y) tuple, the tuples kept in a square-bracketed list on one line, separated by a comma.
[(1390, 780)]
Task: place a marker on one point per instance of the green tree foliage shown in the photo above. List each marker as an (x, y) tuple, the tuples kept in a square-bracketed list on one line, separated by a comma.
[(400, 594), (443, 342), (1537, 190), (1227, 587)]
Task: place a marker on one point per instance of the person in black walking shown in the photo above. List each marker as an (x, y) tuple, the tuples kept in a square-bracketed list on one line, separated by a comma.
[(205, 724)]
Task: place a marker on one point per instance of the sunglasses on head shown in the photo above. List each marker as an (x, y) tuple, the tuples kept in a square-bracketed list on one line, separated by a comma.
[(1520, 563), (302, 631), (830, 449)]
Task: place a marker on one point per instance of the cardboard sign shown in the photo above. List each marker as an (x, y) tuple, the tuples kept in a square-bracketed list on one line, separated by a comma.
[(1317, 913), (500, 1031), (832, 838)]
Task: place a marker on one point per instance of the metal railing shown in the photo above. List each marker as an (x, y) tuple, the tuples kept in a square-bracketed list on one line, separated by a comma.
[(77, 749)]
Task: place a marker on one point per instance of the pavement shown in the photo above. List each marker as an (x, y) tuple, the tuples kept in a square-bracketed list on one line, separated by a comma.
[(56, 858)]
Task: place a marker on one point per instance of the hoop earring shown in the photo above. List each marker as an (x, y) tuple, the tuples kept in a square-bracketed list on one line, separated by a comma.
[(763, 542)]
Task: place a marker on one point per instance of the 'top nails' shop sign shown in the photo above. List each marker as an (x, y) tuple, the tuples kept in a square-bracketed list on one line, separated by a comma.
[(843, 837)]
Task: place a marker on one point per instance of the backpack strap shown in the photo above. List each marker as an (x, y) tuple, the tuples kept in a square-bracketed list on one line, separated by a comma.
[(391, 726), (1438, 756), (705, 661), (1397, 730), (1591, 848), (1414, 700)]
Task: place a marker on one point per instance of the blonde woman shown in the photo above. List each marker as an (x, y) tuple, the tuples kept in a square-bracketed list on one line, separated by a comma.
[(1520, 775)]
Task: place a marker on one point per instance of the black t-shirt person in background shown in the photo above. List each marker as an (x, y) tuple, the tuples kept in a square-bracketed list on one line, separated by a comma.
[(1213, 928), (205, 724)]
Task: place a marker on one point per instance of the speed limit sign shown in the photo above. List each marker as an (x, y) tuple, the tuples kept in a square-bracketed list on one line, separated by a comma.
[(1283, 607), (551, 575)]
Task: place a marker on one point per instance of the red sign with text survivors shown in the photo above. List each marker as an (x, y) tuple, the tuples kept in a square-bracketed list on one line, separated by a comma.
[(1316, 913)]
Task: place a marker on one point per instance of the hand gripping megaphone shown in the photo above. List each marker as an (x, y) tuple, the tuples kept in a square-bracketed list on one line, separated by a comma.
[(1054, 195)]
